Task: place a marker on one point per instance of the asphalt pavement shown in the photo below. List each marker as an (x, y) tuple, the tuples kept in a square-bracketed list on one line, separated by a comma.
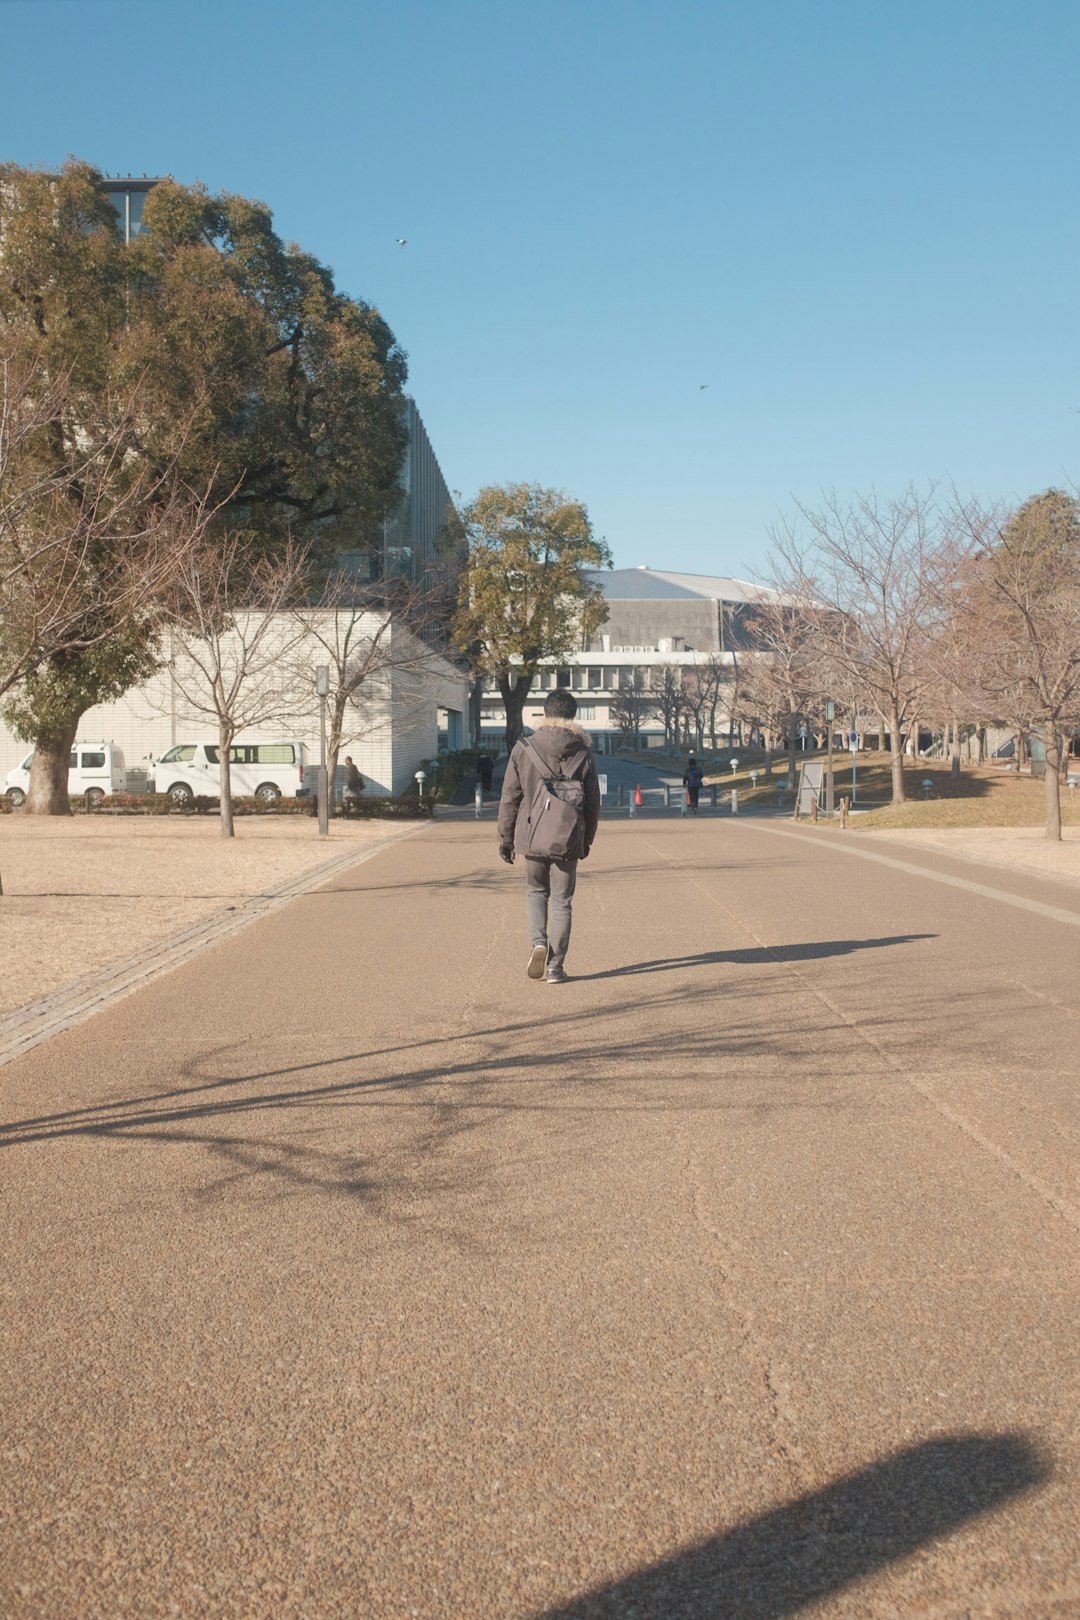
[(351, 1273)]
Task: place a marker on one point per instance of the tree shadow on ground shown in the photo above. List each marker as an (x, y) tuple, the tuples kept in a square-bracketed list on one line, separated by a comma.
[(752, 956), (818, 1545), (498, 877), (295, 1128)]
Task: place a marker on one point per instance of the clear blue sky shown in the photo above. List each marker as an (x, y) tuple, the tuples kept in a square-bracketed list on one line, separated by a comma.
[(855, 221)]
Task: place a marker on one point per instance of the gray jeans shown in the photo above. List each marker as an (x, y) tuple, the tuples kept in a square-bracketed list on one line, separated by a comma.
[(549, 891)]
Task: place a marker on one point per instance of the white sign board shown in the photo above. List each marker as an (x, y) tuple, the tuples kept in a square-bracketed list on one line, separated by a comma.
[(810, 786), (603, 785)]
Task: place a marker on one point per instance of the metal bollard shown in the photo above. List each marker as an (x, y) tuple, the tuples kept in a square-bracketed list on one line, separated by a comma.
[(734, 801), (712, 790), (667, 797), (479, 800)]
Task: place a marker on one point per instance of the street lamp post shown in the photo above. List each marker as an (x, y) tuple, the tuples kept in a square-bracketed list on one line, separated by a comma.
[(830, 716), (322, 688)]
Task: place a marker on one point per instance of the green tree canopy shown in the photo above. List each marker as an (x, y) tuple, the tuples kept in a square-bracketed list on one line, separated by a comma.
[(259, 386), (524, 596)]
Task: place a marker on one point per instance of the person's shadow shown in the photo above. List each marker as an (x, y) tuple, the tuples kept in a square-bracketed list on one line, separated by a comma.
[(794, 1556), (756, 955)]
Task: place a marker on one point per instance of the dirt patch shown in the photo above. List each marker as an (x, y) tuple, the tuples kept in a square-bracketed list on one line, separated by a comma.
[(1021, 848), (80, 894)]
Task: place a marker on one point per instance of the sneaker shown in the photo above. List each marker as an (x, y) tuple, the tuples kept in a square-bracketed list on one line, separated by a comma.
[(537, 962), (556, 975)]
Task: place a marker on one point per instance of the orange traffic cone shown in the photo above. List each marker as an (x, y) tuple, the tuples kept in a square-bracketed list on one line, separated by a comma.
[(637, 795)]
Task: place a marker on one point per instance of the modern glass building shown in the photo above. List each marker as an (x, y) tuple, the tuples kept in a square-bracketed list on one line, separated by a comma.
[(127, 196)]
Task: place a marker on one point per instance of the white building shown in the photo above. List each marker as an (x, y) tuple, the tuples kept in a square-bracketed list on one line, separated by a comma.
[(655, 619), (411, 701)]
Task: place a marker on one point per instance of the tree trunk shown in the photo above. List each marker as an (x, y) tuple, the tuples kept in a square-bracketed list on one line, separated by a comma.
[(897, 747), (954, 763), (515, 690), (1052, 781), (47, 794), (334, 743), (792, 732), (225, 737)]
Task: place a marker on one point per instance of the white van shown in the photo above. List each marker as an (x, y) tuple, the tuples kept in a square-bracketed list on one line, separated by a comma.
[(268, 770), (95, 769)]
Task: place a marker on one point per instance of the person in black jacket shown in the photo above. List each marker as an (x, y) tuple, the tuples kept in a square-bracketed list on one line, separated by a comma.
[(484, 768), (692, 781), (549, 881)]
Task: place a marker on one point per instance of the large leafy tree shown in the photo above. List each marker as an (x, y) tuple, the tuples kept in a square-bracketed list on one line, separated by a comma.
[(524, 596), (262, 391)]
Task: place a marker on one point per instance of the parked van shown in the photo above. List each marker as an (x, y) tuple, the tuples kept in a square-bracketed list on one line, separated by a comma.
[(95, 769), (268, 770)]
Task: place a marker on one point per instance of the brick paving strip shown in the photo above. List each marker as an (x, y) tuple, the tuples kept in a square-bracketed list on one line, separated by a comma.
[(40, 1020)]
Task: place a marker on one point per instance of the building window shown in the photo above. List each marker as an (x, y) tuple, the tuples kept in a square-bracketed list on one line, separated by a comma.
[(596, 680), (563, 677)]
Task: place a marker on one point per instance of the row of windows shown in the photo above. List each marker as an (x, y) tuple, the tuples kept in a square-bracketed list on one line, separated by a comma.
[(588, 678), (239, 754)]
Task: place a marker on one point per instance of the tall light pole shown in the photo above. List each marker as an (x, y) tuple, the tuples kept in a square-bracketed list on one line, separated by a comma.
[(322, 688), (830, 716)]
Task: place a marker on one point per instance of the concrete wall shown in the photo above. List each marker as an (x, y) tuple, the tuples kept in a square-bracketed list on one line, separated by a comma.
[(695, 621)]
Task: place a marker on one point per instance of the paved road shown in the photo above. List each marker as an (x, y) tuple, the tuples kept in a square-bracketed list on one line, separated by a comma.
[(350, 1273)]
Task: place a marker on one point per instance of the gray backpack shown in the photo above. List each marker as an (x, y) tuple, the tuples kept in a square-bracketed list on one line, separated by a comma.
[(556, 816)]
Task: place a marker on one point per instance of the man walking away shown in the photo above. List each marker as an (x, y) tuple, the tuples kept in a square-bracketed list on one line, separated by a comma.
[(692, 782), (548, 813)]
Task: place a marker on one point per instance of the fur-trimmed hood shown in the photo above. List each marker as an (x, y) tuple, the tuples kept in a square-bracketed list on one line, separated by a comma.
[(553, 722)]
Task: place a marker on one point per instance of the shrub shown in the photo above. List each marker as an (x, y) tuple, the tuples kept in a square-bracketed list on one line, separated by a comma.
[(452, 771)]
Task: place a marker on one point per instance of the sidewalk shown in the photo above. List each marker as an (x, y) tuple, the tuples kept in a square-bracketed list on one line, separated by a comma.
[(350, 1272)]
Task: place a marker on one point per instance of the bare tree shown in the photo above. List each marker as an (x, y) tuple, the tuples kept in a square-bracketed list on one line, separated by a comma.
[(783, 676), (89, 538), (872, 567), (630, 706), (235, 638), (668, 699), (1019, 622), (702, 685), (364, 636)]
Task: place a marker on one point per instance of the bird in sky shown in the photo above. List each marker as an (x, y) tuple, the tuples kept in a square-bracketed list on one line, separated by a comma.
[(402, 240), (702, 385)]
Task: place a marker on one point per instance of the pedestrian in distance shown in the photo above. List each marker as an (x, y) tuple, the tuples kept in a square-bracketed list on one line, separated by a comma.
[(354, 782), (548, 812), (693, 782), (484, 768)]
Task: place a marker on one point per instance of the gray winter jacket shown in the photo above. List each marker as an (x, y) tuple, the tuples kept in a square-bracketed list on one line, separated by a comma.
[(556, 741)]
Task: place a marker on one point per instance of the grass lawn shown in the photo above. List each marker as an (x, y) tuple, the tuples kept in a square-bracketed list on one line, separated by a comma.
[(982, 796)]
